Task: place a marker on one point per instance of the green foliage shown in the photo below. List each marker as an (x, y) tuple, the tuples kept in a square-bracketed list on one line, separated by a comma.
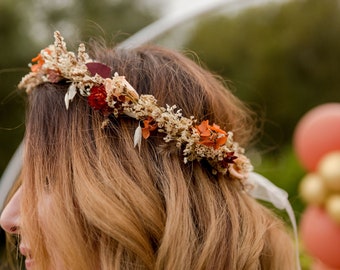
[(284, 59), (26, 26)]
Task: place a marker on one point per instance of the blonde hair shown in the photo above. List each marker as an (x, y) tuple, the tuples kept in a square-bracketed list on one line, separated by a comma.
[(93, 201)]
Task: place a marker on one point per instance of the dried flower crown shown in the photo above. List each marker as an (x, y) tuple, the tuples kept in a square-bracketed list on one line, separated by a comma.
[(114, 95)]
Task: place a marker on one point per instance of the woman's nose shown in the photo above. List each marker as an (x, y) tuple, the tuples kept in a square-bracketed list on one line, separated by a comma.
[(10, 216)]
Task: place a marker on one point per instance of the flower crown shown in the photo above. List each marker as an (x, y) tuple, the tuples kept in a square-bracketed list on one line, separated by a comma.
[(114, 95)]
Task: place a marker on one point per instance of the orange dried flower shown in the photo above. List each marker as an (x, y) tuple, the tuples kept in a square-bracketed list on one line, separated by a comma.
[(149, 125), (217, 129), (203, 129), (40, 61), (212, 136)]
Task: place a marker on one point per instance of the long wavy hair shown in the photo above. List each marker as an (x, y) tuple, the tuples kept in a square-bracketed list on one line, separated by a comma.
[(93, 201)]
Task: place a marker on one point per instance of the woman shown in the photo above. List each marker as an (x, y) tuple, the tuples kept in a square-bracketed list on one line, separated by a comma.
[(118, 178)]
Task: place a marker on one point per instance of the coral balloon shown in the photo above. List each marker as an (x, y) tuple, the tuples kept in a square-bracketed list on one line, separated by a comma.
[(320, 266), (317, 133), (321, 236)]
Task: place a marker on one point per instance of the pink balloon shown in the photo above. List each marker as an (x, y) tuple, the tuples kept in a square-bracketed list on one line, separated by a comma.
[(320, 266), (317, 133), (321, 236)]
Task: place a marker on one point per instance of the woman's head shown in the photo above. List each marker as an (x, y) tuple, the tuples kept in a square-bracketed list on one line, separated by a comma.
[(92, 200)]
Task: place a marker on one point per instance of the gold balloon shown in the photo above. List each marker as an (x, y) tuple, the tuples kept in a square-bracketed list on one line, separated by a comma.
[(329, 170), (312, 189), (333, 207)]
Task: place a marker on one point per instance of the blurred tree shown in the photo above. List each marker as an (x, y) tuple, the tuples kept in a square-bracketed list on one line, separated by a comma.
[(11, 105), (26, 26), (284, 58)]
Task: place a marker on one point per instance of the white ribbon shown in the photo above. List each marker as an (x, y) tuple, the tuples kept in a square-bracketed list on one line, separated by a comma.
[(265, 190)]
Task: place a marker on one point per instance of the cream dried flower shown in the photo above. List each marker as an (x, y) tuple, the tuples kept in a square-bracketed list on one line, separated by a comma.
[(114, 95)]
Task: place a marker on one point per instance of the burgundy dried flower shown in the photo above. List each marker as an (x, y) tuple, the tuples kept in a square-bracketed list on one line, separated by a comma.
[(97, 98)]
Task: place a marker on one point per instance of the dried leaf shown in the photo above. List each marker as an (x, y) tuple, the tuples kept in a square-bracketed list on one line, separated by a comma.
[(137, 138), (70, 94), (100, 69)]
